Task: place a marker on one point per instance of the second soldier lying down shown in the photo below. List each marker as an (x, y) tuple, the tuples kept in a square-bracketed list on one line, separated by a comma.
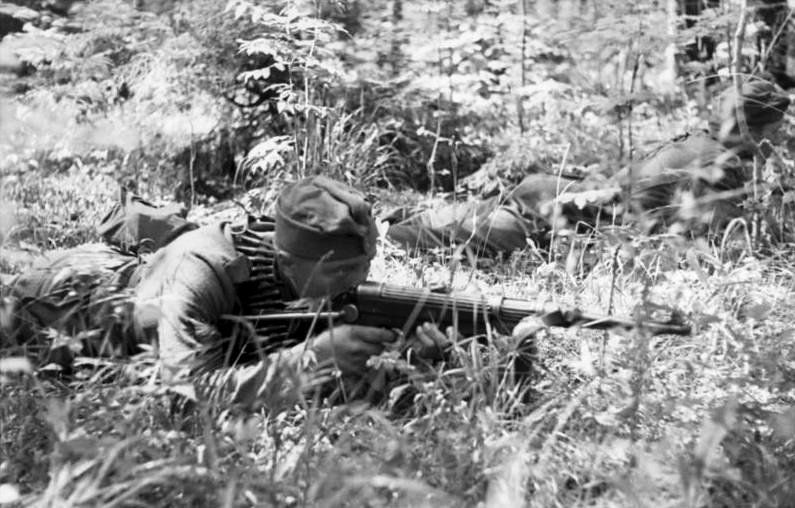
[(712, 167)]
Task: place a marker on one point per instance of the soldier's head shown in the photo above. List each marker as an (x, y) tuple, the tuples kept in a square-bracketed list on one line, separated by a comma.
[(756, 113), (325, 236)]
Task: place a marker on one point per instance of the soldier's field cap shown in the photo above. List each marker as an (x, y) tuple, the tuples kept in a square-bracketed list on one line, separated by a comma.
[(320, 218), (762, 103)]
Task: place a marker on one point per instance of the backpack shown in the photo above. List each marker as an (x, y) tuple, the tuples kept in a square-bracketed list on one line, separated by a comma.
[(137, 227)]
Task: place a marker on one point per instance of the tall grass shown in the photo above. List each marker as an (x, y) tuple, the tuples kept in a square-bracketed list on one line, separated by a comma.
[(604, 420)]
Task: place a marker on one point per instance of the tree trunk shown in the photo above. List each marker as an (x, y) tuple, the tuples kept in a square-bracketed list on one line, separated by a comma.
[(670, 72), (790, 38), (396, 42)]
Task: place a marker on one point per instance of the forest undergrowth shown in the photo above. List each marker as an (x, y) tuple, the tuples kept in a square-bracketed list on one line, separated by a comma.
[(607, 419)]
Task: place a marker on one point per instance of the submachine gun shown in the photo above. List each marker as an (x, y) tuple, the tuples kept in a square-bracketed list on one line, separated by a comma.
[(397, 307)]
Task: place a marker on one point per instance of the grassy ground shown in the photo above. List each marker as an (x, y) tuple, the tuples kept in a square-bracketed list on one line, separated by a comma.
[(607, 419)]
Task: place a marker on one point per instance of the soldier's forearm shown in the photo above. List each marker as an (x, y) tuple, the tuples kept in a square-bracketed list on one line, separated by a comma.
[(281, 375)]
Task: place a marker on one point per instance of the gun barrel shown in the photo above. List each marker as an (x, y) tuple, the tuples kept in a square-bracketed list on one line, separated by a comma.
[(513, 310), (392, 306)]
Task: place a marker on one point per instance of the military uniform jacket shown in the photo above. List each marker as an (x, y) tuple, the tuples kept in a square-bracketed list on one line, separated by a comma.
[(185, 298)]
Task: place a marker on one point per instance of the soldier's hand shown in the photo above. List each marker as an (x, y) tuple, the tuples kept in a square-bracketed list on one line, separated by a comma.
[(348, 347), (430, 343)]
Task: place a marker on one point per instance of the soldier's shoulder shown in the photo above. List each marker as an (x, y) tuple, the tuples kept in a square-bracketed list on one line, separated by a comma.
[(210, 236)]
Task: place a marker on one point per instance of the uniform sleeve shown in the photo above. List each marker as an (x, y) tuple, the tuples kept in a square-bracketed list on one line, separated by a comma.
[(435, 228), (274, 382), (185, 289)]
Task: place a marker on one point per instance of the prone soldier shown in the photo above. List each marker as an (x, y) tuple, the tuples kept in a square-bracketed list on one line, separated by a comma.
[(713, 166), (190, 295)]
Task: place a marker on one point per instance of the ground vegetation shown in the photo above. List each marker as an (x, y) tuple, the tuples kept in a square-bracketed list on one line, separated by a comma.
[(218, 104)]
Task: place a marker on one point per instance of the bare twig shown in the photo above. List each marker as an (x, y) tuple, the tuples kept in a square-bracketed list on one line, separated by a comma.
[(737, 64), (191, 175), (555, 211), (610, 302), (630, 106), (432, 158), (774, 40), (739, 111), (519, 100)]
